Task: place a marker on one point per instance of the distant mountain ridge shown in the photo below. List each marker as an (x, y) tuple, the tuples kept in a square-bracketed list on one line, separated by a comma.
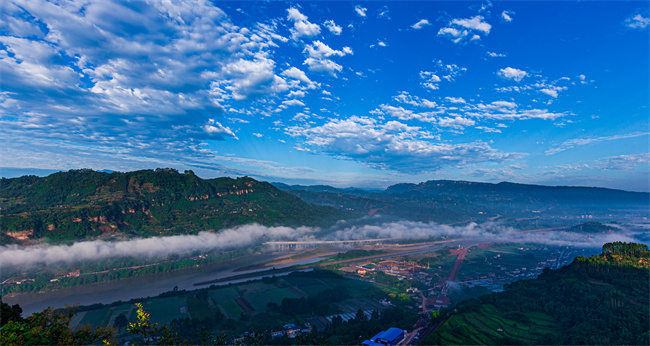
[(449, 201), (81, 204), (459, 186)]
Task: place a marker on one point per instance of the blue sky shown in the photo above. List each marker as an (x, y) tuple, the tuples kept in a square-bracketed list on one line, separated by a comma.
[(363, 94)]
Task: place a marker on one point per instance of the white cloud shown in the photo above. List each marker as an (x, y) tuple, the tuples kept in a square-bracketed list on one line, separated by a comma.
[(332, 27), (512, 73), (637, 22), (323, 65), (319, 50), (421, 24), (405, 97), (258, 135), (550, 92), (429, 80), (301, 26), (448, 72), (361, 11), (455, 99), (382, 44), (571, 143), (495, 55), (474, 23), (453, 34), (487, 129), (296, 73), (318, 55), (214, 128), (391, 145), (623, 162), (459, 29), (293, 103), (507, 16), (458, 123)]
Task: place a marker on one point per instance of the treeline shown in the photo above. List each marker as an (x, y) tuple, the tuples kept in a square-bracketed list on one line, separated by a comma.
[(600, 300), (627, 249)]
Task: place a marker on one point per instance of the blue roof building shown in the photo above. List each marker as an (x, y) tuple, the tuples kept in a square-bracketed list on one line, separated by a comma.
[(389, 337)]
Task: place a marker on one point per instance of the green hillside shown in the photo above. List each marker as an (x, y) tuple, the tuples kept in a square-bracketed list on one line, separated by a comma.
[(81, 204), (600, 300)]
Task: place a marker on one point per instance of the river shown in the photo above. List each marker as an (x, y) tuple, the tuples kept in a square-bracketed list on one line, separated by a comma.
[(126, 289)]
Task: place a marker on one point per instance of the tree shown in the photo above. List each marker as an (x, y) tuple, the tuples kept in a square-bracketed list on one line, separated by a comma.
[(152, 333), (9, 313), (120, 321), (52, 327)]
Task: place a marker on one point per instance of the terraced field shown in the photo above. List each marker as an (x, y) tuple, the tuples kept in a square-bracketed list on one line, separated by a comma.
[(488, 327)]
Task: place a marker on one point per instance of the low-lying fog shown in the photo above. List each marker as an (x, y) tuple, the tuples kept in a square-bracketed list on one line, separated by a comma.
[(14, 255)]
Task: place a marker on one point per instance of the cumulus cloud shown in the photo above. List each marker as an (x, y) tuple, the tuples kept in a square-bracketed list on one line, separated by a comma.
[(391, 145), (506, 110), (474, 23), (448, 72), (512, 73), (361, 11), (507, 16), (459, 29), (637, 22), (550, 92), (214, 128), (405, 97), (421, 24), (455, 99), (301, 26), (318, 58), (495, 55), (130, 79), (332, 27), (429, 80)]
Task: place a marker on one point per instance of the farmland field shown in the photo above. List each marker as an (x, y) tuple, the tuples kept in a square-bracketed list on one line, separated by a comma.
[(165, 310), (488, 327), (259, 300)]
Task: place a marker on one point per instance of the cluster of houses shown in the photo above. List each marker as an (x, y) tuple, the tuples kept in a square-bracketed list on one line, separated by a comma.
[(291, 330)]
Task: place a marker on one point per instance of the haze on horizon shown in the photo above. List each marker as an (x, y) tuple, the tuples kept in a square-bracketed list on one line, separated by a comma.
[(364, 94)]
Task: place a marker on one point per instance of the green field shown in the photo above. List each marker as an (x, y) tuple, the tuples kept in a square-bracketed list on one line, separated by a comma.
[(223, 294), (232, 309), (259, 300), (165, 310), (482, 327), (198, 308), (254, 287), (99, 317)]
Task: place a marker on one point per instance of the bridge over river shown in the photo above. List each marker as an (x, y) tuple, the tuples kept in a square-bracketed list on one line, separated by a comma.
[(290, 245)]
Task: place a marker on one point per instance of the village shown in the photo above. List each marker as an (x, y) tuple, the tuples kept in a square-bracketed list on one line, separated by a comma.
[(435, 281)]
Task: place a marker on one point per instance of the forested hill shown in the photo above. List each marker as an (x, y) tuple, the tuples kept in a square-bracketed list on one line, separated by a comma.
[(81, 204), (599, 300), (513, 192)]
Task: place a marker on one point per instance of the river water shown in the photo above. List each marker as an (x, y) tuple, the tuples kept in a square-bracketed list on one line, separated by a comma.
[(138, 287)]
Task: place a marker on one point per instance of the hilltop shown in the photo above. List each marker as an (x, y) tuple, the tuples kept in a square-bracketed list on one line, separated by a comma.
[(601, 299), (83, 204)]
